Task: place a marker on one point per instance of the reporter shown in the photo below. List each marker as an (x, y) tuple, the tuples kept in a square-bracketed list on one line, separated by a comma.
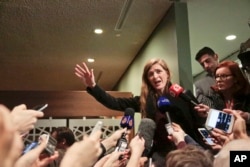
[(111, 141), (24, 119), (189, 156), (10, 141), (83, 153), (136, 147), (239, 131), (31, 158), (180, 138), (231, 91)]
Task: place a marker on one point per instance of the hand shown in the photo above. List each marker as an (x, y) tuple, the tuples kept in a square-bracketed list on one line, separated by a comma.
[(83, 153), (137, 145), (202, 110), (32, 159), (177, 135), (239, 127), (86, 75), (112, 140), (24, 119), (114, 161), (243, 114), (11, 144)]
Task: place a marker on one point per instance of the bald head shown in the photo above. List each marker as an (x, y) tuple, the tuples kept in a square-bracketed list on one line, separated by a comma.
[(223, 157)]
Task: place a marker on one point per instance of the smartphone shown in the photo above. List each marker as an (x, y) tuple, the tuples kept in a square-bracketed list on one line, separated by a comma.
[(220, 120), (206, 135), (98, 126), (50, 144), (40, 107)]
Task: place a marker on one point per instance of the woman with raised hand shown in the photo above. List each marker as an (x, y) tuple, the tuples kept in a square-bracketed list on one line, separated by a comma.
[(156, 80)]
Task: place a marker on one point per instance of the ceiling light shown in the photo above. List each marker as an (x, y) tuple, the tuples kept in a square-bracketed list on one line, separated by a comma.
[(98, 31), (91, 60), (230, 37)]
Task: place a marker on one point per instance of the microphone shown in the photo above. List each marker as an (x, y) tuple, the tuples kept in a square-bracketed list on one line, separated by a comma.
[(163, 105), (176, 90), (146, 130), (127, 121)]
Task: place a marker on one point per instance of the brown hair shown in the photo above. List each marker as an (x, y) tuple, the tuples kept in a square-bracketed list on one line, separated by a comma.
[(146, 87)]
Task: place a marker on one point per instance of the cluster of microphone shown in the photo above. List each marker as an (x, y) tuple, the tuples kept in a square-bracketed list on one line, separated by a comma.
[(164, 104), (147, 126), (146, 130)]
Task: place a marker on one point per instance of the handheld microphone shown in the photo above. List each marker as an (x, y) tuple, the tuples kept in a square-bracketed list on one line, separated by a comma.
[(146, 130), (163, 105), (177, 91), (127, 121)]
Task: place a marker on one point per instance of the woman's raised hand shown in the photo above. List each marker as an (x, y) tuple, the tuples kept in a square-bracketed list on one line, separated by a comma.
[(87, 76)]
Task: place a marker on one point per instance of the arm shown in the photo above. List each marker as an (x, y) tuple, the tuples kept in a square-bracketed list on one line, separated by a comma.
[(88, 78), (136, 146)]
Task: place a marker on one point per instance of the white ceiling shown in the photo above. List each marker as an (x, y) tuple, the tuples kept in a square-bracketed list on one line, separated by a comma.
[(42, 40)]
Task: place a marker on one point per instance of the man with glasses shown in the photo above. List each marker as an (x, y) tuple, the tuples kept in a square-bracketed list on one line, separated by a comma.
[(208, 59)]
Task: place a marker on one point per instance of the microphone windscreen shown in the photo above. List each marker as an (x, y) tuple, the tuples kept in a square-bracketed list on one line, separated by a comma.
[(146, 130), (129, 112), (163, 104)]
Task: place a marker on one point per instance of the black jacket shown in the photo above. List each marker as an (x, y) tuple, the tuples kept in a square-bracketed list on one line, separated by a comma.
[(180, 112)]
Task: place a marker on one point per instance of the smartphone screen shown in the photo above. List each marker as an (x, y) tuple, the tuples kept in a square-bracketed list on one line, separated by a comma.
[(205, 134), (220, 120)]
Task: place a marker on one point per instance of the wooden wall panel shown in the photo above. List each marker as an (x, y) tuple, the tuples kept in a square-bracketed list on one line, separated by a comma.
[(62, 104)]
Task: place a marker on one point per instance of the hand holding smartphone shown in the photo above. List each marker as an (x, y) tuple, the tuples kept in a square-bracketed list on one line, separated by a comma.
[(205, 134), (220, 120)]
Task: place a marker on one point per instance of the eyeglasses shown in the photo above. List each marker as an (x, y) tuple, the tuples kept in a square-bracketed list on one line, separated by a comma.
[(223, 77)]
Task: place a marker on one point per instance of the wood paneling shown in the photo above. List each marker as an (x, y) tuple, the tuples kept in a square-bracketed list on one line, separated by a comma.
[(62, 104)]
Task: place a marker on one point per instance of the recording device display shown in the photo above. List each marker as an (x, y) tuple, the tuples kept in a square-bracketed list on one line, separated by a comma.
[(176, 90), (220, 120), (98, 126), (50, 144), (127, 121), (122, 143), (205, 134), (40, 107), (146, 130), (169, 128)]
